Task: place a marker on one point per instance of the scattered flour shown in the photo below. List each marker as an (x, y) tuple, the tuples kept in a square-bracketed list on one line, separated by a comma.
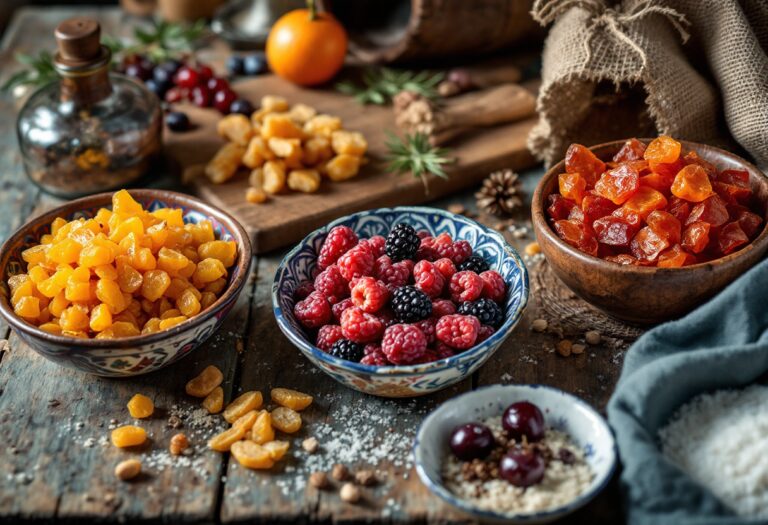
[(719, 440)]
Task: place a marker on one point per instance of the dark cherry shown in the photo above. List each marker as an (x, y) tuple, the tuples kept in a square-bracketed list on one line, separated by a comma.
[(176, 94), (201, 96), (186, 77), (255, 64), (137, 71), (205, 72), (241, 106), (162, 75), (523, 419), (217, 84), (223, 100), (177, 121), (235, 65), (471, 441), (522, 467)]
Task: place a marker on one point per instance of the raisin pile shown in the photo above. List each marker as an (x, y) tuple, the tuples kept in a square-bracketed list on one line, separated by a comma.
[(405, 299)]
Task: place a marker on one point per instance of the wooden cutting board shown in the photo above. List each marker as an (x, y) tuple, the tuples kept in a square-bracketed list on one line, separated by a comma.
[(285, 219)]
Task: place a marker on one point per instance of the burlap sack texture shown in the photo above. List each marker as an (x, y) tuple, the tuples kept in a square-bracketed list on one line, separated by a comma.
[(615, 71)]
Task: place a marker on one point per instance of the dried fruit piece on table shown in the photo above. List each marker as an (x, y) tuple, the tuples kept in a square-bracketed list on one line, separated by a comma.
[(342, 167), (128, 436), (179, 443), (128, 469), (274, 176), (692, 184), (665, 225), (247, 420), (223, 441), (348, 143), (730, 238), (632, 149), (618, 184), (579, 159), (255, 195), (235, 128), (644, 201), (662, 150), (647, 244), (286, 420), (251, 455), (292, 399), (304, 180), (711, 210), (675, 257), (596, 207), (614, 231), (244, 403), (277, 449), (225, 163), (205, 382), (262, 430), (575, 234), (572, 186), (257, 153), (140, 406), (214, 401), (696, 237)]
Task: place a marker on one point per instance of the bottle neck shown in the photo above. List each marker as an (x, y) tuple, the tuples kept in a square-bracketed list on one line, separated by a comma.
[(86, 89)]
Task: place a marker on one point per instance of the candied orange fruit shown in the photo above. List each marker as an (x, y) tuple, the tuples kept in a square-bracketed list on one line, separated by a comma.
[(115, 275), (205, 382), (243, 404), (252, 455), (658, 204), (286, 420), (128, 436), (262, 430), (140, 406), (292, 399)]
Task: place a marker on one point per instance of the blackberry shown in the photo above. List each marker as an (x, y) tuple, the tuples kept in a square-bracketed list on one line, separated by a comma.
[(346, 349), (411, 304), (402, 243), (473, 263), (486, 311)]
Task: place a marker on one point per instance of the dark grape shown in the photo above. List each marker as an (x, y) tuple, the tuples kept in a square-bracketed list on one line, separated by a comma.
[(158, 88), (522, 467), (137, 71), (162, 75), (523, 419), (235, 65), (255, 64), (241, 106), (471, 441), (171, 66), (177, 121)]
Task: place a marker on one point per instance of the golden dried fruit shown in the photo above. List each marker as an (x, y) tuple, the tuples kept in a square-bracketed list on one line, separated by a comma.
[(262, 431), (128, 469), (286, 420), (251, 455), (179, 443), (277, 449), (128, 436), (292, 399), (140, 406), (203, 384), (214, 401), (242, 404), (223, 441)]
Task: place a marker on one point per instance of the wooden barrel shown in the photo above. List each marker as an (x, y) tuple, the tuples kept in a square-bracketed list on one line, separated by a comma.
[(398, 30)]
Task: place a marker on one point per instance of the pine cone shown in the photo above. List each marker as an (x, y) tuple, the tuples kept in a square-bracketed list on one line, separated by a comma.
[(500, 194)]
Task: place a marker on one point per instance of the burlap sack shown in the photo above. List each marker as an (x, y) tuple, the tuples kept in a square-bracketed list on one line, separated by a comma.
[(614, 72)]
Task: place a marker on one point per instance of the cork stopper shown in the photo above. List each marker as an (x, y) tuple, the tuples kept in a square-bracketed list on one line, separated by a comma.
[(79, 41)]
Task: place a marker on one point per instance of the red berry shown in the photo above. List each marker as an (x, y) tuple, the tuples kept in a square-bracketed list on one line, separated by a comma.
[(369, 294), (303, 290), (387, 316), (339, 308), (457, 251), (339, 240), (458, 331), (494, 287), (443, 351), (393, 275), (484, 333), (186, 77), (204, 72), (465, 286), (421, 234), (426, 249), (427, 326), (357, 262), (332, 285), (222, 100), (403, 344), (442, 307), (446, 267), (327, 335), (314, 311), (201, 96), (359, 326), (376, 243), (374, 356), (428, 278), (176, 94), (217, 84)]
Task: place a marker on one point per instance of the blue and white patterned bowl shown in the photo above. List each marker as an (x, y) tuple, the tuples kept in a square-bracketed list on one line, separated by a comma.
[(562, 411), (413, 380), (140, 354)]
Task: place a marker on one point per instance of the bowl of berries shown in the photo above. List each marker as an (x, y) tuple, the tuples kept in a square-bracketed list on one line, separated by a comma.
[(515, 453), (648, 230), (400, 302)]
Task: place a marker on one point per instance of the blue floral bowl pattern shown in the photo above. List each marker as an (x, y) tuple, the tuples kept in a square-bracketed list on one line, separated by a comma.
[(413, 380), (130, 355), (562, 411)]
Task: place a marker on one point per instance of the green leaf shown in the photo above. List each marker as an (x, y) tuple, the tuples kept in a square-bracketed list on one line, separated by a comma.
[(416, 155), (381, 84)]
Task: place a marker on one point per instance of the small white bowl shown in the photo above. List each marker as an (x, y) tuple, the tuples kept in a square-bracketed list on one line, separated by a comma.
[(562, 411)]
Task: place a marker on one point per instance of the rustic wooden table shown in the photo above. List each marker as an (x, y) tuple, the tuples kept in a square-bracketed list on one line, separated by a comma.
[(56, 463)]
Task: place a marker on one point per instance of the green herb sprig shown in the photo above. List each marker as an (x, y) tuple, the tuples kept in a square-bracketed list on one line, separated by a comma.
[(413, 153), (38, 71), (381, 84)]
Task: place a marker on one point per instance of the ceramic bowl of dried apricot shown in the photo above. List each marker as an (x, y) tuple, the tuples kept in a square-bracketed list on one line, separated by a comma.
[(120, 284), (649, 229)]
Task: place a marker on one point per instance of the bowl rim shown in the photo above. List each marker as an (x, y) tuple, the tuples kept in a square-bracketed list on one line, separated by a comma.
[(540, 222), (243, 261), (438, 488), (494, 340)]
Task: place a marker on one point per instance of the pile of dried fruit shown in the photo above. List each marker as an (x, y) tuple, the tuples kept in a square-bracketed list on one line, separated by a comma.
[(286, 148), (410, 298), (122, 273), (653, 206)]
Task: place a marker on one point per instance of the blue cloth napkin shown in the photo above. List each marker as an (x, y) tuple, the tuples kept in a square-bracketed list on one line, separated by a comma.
[(722, 344)]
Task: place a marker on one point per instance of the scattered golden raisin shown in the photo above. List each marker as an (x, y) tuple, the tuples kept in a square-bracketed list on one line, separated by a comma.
[(203, 384), (292, 399), (252, 455), (221, 442), (242, 404), (262, 431), (140, 406), (128, 436), (214, 401), (286, 420)]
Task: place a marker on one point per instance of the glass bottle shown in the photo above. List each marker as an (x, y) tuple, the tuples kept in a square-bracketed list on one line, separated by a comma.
[(91, 130)]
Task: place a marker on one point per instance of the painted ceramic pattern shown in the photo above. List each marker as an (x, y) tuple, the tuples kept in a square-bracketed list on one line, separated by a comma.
[(402, 381)]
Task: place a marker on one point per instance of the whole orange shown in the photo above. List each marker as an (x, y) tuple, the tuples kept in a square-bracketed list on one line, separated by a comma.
[(304, 49)]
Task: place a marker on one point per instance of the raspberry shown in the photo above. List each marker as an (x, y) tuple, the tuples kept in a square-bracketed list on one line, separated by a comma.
[(369, 294), (428, 357), (403, 344), (303, 290), (387, 316), (455, 251), (484, 333), (359, 326), (458, 331), (421, 234), (465, 286), (428, 278), (426, 251), (339, 240), (446, 267), (357, 262), (427, 326), (392, 275), (327, 335), (314, 311), (494, 287), (346, 349), (410, 304), (441, 307), (402, 242), (339, 308), (332, 284), (443, 351), (374, 356), (376, 243), (473, 263), (371, 348), (486, 311)]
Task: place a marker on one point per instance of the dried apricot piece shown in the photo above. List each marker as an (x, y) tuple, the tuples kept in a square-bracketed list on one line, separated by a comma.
[(559, 207), (292, 399), (665, 225), (203, 384), (572, 186), (632, 149), (252, 455), (662, 150), (243, 403), (711, 210), (277, 449), (614, 231), (214, 401), (579, 159), (140, 406), (696, 237), (692, 184), (262, 430), (128, 436), (247, 420), (618, 184), (575, 234), (730, 238), (286, 420), (675, 257), (623, 258), (680, 208), (596, 207), (644, 201), (647, 244), (750, 222), (223, 441)]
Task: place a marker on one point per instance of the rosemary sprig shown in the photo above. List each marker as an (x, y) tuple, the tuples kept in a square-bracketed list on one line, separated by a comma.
[(38, 71), (416, 155), (381, 84)]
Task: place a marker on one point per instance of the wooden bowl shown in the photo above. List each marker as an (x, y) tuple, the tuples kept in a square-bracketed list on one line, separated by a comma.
[(647, 295)]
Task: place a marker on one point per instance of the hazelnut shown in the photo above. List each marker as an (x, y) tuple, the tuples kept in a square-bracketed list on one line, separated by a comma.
[(593, 337), (340, 472), (128, 469), (539, 325), (310, 445), (564, 347), (578, 349), (350, 493), (365, 478), (179, 444), (319, 480)]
